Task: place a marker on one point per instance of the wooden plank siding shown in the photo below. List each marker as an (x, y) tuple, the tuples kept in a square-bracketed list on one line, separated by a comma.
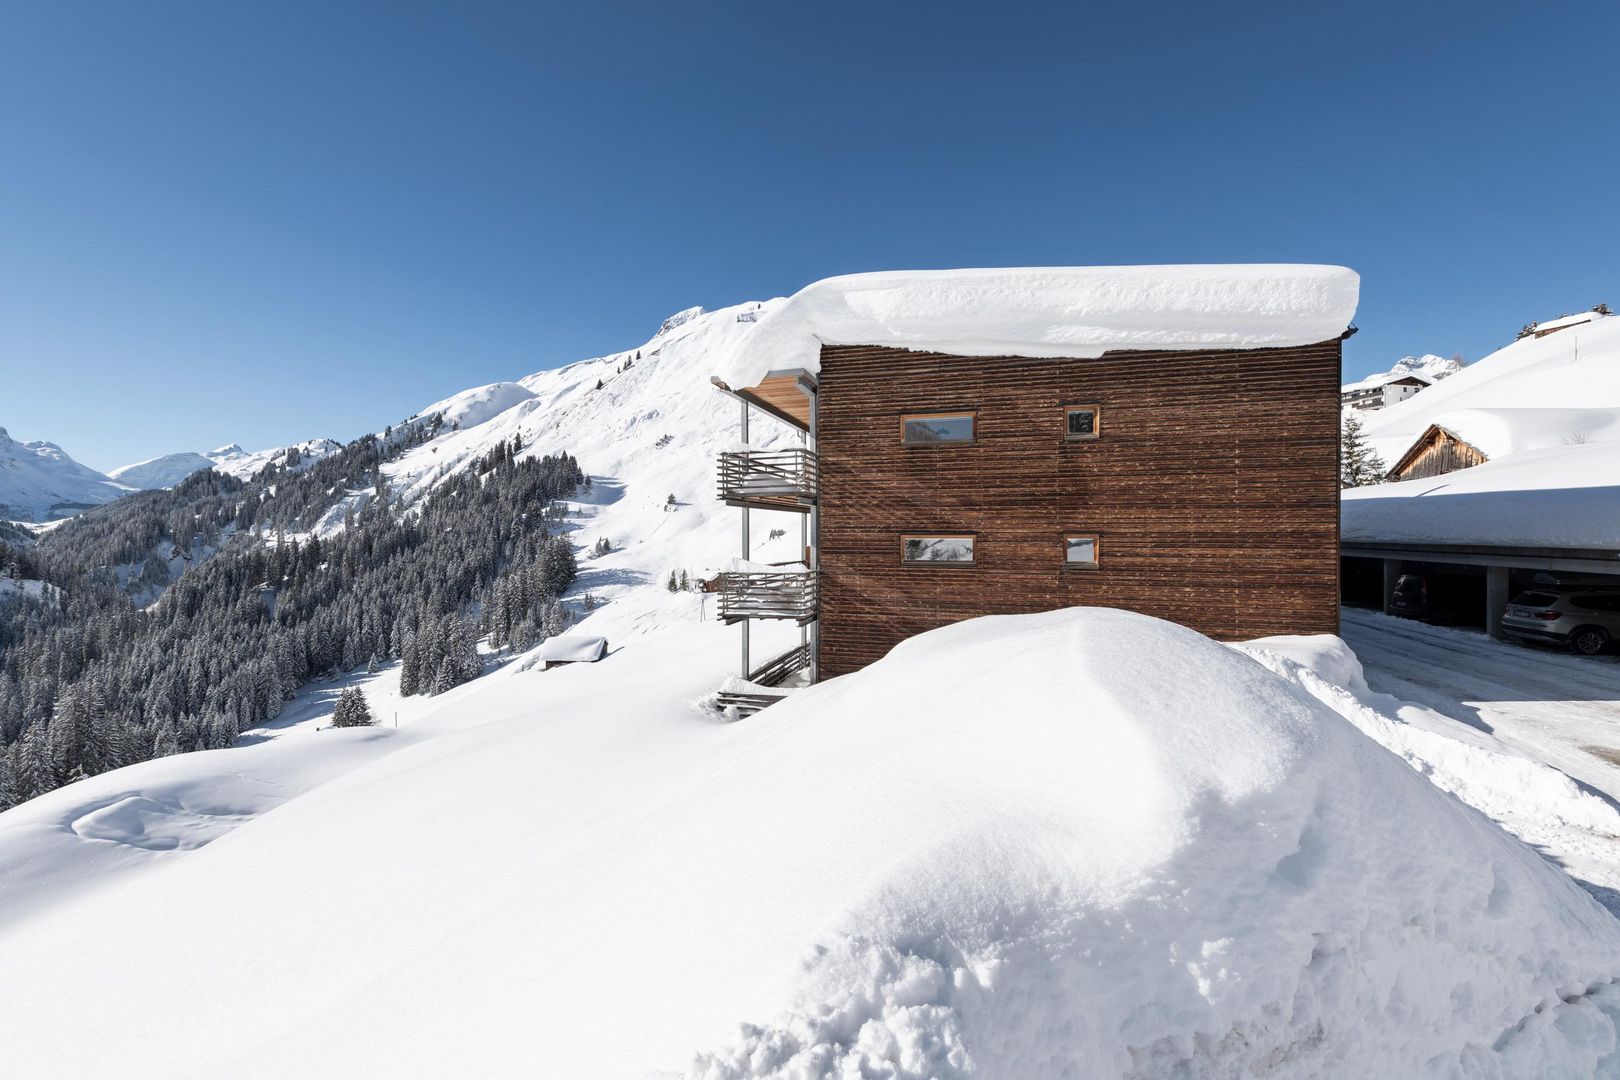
[(1213, 489), (1435, 453)]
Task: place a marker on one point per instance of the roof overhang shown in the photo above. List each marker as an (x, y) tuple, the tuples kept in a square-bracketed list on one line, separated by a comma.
[(785, 394), (1584, 560)]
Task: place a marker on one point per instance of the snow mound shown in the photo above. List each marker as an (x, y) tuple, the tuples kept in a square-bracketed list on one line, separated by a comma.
[(479, 405), (1049, 311), (1084, 863), (157, 826)]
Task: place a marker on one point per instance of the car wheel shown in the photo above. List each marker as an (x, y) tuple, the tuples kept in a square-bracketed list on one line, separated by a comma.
[(1588, 640)]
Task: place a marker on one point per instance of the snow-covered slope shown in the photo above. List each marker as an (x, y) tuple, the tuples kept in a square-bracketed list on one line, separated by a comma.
[(645, 429), (244, 465), (40, 482), (939, 867), (1546, 412), (472, 407), (1531, 394)]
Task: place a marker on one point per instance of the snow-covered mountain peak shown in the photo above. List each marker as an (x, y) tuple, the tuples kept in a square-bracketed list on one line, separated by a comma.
[(39, 481), (680, 318), (1428, 366), (230, 450), (161, 472), (479, 405)]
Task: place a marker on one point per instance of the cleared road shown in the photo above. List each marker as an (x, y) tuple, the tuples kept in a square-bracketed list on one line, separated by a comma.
[(1561, 709)]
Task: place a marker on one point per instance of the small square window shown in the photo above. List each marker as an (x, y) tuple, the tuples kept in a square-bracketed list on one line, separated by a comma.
[(937, 550), (1080, 550), (1082, 422), (931, 429)]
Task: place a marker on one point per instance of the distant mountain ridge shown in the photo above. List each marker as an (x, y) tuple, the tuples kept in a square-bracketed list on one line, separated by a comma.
[(40, 482), (170, 469), (1428, 366)]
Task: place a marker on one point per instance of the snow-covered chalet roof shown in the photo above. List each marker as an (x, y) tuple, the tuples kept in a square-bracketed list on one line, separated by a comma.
[(1071, 311), (1383, 379)]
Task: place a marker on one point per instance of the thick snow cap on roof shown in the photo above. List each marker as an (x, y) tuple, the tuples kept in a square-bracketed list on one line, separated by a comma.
[(1077, 311), (573, 649), (1553, 497)]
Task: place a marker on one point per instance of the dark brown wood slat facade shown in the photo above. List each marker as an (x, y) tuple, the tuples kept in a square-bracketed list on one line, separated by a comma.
[(1213, 490)]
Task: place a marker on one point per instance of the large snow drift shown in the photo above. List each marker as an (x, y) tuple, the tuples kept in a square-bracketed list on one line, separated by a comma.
[(1097, 870), (1013, 848), (1074, 311)]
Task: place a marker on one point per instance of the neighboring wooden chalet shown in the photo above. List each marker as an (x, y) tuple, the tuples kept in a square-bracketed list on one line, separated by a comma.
[(1199, 485), (1436, 452)]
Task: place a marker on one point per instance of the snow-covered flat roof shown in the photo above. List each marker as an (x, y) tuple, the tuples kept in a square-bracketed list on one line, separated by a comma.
[(1069, 311), (1557, 497)]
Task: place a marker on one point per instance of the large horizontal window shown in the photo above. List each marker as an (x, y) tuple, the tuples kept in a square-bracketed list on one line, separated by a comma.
[(1082, 422), (1080, 550), (937, 550), (930, 429)]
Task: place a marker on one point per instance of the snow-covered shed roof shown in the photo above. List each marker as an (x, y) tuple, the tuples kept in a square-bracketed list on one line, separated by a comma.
[(1567, 320), (573, 649), (1065, 311)]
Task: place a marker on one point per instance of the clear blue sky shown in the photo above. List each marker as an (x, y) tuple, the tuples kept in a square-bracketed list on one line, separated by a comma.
[(258, 223)]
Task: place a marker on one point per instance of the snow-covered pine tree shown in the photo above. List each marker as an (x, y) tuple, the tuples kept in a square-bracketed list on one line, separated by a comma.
[(8, 779), (351, 709), (33, 765), (1359, 463), (409, 668), (555, 619), (164, 740)]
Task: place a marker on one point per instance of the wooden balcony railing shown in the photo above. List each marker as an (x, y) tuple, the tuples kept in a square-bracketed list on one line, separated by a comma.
[(770, 479), (756, 595), (760, 691), (784, 667)]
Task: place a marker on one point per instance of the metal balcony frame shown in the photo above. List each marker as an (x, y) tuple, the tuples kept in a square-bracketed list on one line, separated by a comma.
[(784, 479), (791, 594)]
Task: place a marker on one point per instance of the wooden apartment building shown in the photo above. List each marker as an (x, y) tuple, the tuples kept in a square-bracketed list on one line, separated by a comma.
[(1197, 486)]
